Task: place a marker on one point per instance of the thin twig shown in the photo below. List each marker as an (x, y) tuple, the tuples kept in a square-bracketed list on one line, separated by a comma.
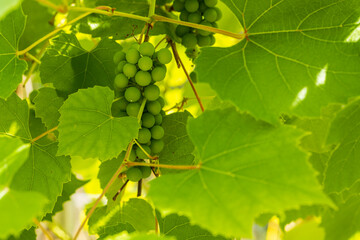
[(44, 134), (44, 230), (180, 167), (139, 189), (142, 149), (120, 190)]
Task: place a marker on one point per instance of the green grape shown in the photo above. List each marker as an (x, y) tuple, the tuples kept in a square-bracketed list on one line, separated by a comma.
[(180, 30), (120, 66), (193, 76), (121, 104), (132, 94), (192, 52), (191, 5), (210, 3), (121, 114), (148, 120), (134, 174), (144, 135), (157, 146), (212, 40), (145, 63), (178, 5), (202, 7), (146, 49), (161, 101), (164, 56), (146, 171), (210, 15), (214, 24), (143, 78), (194, 17), (219, 14), (203, 40), (158, 74), (132, 55), (184, 15), (141, 154), (153, 107), (158, 119), (121, 81), (189, 40), (132, 109), (157, 132), (135, 45), (152, 92), (118, 56), (132, 156), (129, 70), (204, 32)]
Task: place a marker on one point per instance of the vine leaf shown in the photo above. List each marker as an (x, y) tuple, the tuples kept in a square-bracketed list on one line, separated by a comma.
[(139, 236), (70, 67), (343, 168), (133, 215), (47, 104), (7, 6), (11, 68), (87, 128), (42, 172), (296, 58), (178, 146), (255, 165)]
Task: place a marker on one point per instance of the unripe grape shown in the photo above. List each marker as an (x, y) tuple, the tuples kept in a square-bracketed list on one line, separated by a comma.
[(135, 45), (132, 94), (129, 70), (143, 78), (210, 3), (121, 81), (157, 146), (157, 132), (204, 32), (132, 156), (202, 7), (191, 5), (194, 17), (120, 66), (146, 171), (158, 119), (189, 40), (203, 40), (146, 49), (164, 56), (193, 76), (132, 55), (145, 63), (178, 5), (141, 154), (118, 56), (219, 14), (134, 174), (144, 135), (210, 15), (152, 92), (158, 74), (132, 109), (153, 107), (184, 15), (161, 101), (180, 30), (212, 40), (148, 120), (121, 104)]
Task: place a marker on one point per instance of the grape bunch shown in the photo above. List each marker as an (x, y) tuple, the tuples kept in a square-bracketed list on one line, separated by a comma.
[(202, 12), (137, 70)]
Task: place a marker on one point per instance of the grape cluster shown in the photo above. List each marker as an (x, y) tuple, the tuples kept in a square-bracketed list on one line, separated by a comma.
[(202, 12), (137, 70)]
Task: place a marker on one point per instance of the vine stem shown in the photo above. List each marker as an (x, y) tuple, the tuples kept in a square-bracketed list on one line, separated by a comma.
[(179, 167), (58, 8), (44, 134), (44, 230), (49, 35)]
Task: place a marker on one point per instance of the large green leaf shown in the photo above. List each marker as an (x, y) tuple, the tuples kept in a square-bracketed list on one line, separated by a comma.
[(87, 128), (42, 171), (18, 209), (7, 6), (297, 57), (343, 168), (246, 165), (11, 68), (139, 236), (178, 146), (69, 67)]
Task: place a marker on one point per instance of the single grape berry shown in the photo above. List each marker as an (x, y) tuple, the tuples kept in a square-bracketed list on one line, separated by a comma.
[(135, 45), (121, 81), (181, 30), (158, 119), (153, 107), (158, 74), (148, 120), (146, 49), (134, 174), (132, 94), (152, 92), (164, 56), (157, 132), (145, 63), (161, 101), (132, 55), (212, 40), (191, 5), (204, 32), (144, 135), (143, 78), (178, 5), (157, 146), (210, 15), (184, 15), (141, 154), (129, 70), (202, 7), (210, 3), (119, 56), (189, 40), (146, 171), (203, 41), (193, 76), (121, 104), (132, 109), (219, 14), (120, 66), (132, 156), (195, 17)]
